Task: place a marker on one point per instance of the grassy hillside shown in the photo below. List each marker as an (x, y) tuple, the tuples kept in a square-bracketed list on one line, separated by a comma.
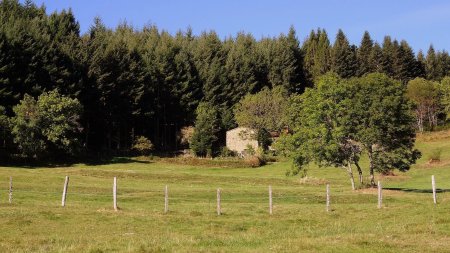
[(408, 222)]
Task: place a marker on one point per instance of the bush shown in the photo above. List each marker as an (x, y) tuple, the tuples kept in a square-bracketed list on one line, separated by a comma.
[(260, 152), (249, 150), (435, 155), (264, 139), (226, 152), (142, 145), (254, 161), (48, 125), (185, 135), (208, 163)]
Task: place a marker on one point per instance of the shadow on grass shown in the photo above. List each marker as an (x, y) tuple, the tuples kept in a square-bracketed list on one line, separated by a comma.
[(438, 190), (116, 160), (33, 164)]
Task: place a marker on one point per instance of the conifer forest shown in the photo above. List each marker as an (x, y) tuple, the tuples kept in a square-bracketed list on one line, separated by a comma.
[(63, 93)]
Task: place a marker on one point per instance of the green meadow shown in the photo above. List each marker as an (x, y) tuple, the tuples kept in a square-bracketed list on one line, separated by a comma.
[(407, 222)]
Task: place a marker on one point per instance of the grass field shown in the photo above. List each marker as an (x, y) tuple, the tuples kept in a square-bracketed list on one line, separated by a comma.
[(408, 221)]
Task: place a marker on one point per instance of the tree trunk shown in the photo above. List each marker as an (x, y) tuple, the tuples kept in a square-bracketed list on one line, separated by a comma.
[(88, 132), (371, 167), (432, 115), (118, 133), (350, 174), (360, 173), (420, 116), (108, 139), (372, 177)]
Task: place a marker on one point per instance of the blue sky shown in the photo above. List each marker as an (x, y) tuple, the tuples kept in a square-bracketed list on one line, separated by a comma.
[(420, 22)]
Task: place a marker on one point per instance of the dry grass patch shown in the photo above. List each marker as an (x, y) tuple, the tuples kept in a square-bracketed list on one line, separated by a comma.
[(312, 181), (434, 164), (434, 136), (207, 162), (394, 177)]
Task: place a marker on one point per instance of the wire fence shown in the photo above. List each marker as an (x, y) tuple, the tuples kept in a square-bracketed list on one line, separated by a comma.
[(201, 195)]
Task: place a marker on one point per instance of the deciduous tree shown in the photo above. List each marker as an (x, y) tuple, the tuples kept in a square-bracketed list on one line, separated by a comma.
[(425, 96), (48, 124), (339, 119)]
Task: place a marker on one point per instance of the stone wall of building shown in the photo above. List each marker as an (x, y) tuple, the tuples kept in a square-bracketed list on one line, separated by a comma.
[(239, 138)]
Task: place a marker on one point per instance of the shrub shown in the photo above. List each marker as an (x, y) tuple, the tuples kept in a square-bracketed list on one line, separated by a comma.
[(208, 163), (249, 150), (435, 155), (142, 145), (226, 152), (253, 161), (185, 135), (261, 155), (264, 139), (47, 125)]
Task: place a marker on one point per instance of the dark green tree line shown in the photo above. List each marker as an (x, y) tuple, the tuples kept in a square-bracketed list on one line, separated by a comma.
[(148, 82)]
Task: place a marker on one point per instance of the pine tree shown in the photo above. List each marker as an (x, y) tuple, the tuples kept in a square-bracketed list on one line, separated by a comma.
[(431, 66), (207, 126), (410, 61), (8, 95), (309, 49), (188, 87), (241, 68), (117, 72), (210, 58), (322, 57), (421, 62), (387, 59), (443, 64), (296, 78), (343, 57), (376, 58), (364, 55), (63, 25), (404, 62), (285, 63), (30, 50), (316, 50), (94, 45)]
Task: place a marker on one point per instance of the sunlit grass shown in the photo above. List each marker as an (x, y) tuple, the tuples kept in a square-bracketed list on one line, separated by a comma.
[(408, 221)]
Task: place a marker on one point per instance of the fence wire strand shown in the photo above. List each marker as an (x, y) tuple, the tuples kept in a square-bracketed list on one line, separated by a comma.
[(252, 195)]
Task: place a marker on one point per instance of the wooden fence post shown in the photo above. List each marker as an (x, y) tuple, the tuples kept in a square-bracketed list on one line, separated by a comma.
[(328, 197), (270, 200), (115, 194), (64, 195), (219, 211), (10, 190), (433, 185), (380, 195), (166, 199)]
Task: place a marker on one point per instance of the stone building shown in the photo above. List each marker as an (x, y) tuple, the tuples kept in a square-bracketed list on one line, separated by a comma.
[(239, 139)]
